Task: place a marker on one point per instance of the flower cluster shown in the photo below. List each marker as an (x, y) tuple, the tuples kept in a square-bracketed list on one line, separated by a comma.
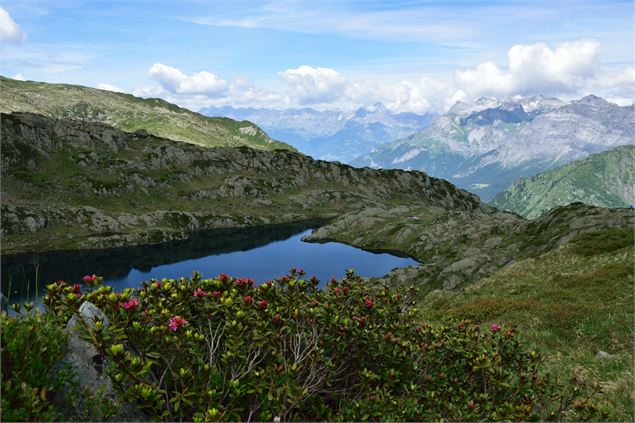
[(244, 282), (199, 293), (176, 322), (90, 278), (131, 304), (293, 349)]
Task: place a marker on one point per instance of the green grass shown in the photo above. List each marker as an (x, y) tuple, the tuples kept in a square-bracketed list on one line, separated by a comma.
[(568, 304), (130, 113)]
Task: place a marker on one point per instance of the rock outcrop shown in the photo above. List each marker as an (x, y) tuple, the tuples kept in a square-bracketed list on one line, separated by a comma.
[(455, 247), (70, 184), (87, 364)]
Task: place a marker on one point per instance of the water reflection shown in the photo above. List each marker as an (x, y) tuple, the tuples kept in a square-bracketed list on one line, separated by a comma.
[(262, 253)]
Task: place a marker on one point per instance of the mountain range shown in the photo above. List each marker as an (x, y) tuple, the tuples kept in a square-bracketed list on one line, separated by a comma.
[(603, 179), (484, 146), (328, 134)]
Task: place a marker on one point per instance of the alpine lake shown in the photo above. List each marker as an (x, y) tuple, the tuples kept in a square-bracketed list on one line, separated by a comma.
[(262, 253)]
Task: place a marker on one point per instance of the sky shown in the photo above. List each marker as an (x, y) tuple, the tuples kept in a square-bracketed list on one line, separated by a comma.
[(412, 56)]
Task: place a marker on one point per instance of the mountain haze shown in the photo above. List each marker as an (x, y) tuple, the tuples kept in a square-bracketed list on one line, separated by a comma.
[(329, 134)]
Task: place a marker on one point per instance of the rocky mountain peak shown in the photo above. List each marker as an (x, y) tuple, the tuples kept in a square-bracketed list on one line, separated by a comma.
[(593, 100)]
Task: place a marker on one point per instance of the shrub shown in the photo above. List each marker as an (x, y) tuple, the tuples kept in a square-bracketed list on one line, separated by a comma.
[(31, 345), (221, 349), (604, 241), (487, 309)]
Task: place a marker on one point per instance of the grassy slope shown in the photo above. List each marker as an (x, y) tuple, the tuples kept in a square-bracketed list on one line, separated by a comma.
[(568, 304), (604, 179), (130, 113)]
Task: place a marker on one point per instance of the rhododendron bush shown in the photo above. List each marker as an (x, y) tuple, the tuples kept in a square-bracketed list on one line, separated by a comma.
[(224, 349)]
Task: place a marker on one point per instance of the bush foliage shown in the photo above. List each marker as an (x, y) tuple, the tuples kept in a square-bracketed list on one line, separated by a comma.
[(604, 241), (31, 345), (222, 349)]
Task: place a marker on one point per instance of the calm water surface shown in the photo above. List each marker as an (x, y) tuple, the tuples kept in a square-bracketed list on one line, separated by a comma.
[(261, 253)]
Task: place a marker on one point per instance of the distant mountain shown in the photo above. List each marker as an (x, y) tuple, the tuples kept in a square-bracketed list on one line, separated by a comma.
[(604, 179), (486, 145), (330, 135), (129, 113)]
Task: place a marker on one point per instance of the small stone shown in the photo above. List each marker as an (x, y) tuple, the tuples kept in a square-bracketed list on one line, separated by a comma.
[(90, 314), (604, 355), (141, 133)]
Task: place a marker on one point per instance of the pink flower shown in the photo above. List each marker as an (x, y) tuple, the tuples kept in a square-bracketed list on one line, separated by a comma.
[(494, 327), (76, 288), (176, 322), (263, 304), (369, 303), (216, 294), (199, 293), (315, 302), (223, 277), (158, 284), (337, 290), (247, 299), (276, 318), (90, 278), (244, 282), (131, 304)]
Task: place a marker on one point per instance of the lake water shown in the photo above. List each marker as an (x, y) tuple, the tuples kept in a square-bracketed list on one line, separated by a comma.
[(261, 253)]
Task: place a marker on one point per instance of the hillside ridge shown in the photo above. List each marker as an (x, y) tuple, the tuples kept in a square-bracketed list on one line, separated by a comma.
[(129, 113)]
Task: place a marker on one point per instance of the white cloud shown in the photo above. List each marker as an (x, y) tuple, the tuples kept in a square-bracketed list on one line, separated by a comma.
[(567, 71), (533, 69), (177, 82), (18, 77), (620, 79), (620, 101), (109, 87), (10, 32), (326, 88), (148, 91), (314, 85), (420, 96)]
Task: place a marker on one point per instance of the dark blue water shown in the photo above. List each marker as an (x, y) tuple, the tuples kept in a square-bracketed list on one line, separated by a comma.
[(260, 253)]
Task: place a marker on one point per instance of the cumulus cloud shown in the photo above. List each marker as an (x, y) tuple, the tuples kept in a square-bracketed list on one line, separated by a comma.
[(109, 87), (175, 81), (10, 31), (569, 70), (18, 77), (420, 96), (315, 85), (325, 87), (533, 69)]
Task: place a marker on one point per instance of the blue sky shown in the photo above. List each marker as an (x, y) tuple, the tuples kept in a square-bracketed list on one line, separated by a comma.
[(411, 55)]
